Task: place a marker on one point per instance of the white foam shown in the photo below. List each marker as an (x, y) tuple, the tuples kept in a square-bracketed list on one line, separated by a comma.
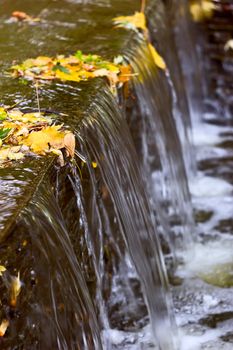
[(205, 135), (206, 257), (206, 186), (195, 342)]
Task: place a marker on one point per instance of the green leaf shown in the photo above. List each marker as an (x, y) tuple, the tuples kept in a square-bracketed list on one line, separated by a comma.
[(4, 133), (89, 58), (61, 68), (79, 55)]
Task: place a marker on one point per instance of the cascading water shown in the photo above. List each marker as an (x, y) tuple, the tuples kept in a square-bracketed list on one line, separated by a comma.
[(59, 312), (105, 139), (156, 106)]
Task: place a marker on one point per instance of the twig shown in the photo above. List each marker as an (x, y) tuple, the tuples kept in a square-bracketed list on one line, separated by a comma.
[(37, 96), (143, 6)]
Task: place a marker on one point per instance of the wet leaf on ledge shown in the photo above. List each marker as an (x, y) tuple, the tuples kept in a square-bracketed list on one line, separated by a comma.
[(77, 67), (158, 60), (24, 133), (41, 141), (3, 327), (134, 22), (15, 289)]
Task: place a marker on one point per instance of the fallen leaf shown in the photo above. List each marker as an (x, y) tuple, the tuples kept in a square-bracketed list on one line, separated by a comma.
[(41, 141), (3, 327), (202, 9), (22, 16), (2, 269), (3, 113), (136, 21), (15, 155), (158, 60), (75, 68), (4, 133), (69, 143), (15, 289)]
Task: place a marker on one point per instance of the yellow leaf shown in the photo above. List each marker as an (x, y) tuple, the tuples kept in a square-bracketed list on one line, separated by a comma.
[(157, 58), (202, 9), (137, 20), (94, 165), (3, 327), (65, 76), (41, 141), (15, 289), (2, 269)]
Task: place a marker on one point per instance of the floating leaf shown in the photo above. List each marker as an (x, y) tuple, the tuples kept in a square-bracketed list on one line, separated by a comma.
[(156, 57), (22, 16), (3, 327)]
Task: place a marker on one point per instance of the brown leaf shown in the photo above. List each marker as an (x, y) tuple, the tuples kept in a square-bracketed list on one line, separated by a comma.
[(21, 16), (69, 143)]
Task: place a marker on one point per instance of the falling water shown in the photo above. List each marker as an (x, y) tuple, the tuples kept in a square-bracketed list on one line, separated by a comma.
[(55, 310), (105, 139), (161, 140)]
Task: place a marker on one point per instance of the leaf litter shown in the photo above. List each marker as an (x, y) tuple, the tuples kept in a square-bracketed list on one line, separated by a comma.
[(76, 68), (24, 134)]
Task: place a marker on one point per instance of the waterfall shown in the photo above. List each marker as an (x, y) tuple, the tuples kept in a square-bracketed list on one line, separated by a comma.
[(95, 231), (163, 157), (105, 139)]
